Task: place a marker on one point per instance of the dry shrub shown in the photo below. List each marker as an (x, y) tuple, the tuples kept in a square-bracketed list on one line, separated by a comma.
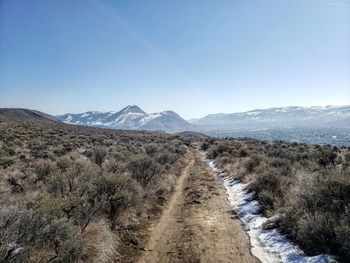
[(326, 156), (166, 157), (253, 163), (116, 193), (99, 155), (218, 150), (6, 161), (25, 235), (242, 152), (101, 243), (143, 169), (204, 146), (151, 149), (44, 169), (319, 216)]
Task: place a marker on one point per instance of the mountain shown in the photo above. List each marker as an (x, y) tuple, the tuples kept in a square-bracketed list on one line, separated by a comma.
[(26, 115), (130, 118), (286, 117)]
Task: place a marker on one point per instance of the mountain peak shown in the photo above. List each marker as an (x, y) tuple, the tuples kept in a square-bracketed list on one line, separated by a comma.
[(169, 112), (132, 109), (130, 117)]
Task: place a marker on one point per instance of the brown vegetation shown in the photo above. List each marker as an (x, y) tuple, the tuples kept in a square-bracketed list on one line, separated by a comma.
[(78, 194), (66, 190), (307, 186)]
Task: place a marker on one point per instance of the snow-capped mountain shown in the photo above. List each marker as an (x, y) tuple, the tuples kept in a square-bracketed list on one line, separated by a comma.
[(130, 118), (286, 117)]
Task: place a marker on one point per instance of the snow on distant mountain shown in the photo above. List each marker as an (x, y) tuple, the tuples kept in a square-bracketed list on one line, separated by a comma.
[(286, 117), (130, 118), (134, 118)]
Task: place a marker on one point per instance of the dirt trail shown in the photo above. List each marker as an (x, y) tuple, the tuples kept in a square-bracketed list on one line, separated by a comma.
[(197, 224)]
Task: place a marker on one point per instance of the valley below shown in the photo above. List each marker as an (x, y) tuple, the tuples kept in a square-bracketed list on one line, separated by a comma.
[(338, 137), (312, 125)]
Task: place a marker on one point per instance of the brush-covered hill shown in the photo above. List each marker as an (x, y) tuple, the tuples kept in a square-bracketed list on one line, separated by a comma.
[(73, 193), (25, 115)]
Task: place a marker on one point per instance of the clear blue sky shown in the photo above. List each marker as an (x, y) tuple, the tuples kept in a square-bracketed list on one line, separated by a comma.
[(191, 56)]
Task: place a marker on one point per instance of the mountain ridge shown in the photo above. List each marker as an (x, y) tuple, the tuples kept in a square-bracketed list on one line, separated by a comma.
[(278, 117), (130, 117)]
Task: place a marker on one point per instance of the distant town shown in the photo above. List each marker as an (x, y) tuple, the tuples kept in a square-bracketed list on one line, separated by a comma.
[(333, 136)]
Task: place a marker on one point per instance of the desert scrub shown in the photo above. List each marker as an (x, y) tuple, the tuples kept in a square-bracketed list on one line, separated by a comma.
[(143, 169), (23, 233), (325, 156), (116, 193), (318, 219), (6, 161), (306, 186), (253, 163), (71, 179), (99, 155)]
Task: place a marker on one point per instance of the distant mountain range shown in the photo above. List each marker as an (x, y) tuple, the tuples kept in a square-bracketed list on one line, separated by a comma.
[(286, 117), (320, 125), (134, 118), (130, 118), (25, 115)]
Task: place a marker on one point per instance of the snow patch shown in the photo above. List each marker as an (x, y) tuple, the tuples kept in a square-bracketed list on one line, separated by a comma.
[(111, 113), (97, 123), (253, 112), (69, 118), (128, 117), (150, 117), (284, 109), (269, 246)]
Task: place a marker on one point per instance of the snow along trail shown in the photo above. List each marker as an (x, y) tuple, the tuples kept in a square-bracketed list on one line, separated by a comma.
[(269, 246)]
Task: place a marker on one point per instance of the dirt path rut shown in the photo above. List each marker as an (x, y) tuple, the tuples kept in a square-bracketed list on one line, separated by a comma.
[(197, 224)]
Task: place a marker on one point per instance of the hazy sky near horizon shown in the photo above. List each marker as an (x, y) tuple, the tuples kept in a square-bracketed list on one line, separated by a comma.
[(194, 57)]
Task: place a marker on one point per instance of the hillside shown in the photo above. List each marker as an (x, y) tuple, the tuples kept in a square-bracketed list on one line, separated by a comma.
[(73, 193), (287, 194), (286, 117), (130, 118), (192, 135), (25, 115)]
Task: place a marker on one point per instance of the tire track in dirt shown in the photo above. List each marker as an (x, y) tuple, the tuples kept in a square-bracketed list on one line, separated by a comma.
[(197, 224)]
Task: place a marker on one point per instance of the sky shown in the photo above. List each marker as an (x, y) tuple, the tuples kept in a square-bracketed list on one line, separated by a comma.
[(194, 57)]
